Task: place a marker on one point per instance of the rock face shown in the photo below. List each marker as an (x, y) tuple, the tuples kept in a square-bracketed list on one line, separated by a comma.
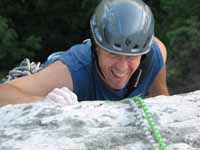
[(100, 125)]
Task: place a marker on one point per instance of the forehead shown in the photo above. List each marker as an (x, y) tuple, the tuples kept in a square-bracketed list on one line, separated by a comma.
[(102, 51)]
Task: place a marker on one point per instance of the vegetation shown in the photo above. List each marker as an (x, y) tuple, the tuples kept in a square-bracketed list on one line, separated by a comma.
[(34, 29), (179, 28)]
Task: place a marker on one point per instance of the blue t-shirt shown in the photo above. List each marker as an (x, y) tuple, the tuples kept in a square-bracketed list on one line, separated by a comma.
[(87, 83)]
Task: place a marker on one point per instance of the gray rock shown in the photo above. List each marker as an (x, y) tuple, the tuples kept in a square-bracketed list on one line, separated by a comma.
[(100, 125)]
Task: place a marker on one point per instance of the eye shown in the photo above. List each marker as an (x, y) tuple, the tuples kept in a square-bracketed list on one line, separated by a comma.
[(113, 54), (133, 58)]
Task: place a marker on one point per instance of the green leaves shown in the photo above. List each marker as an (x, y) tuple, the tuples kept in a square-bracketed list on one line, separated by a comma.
[(179, 28), (12, 48), (184, 46)]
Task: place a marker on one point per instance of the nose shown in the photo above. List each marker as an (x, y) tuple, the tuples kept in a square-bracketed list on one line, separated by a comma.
[(122, 62)]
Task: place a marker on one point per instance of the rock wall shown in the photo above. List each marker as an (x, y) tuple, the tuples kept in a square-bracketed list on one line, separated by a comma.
[(100, 125)]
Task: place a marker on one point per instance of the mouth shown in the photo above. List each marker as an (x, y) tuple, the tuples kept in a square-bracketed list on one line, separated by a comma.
[(119, 74)]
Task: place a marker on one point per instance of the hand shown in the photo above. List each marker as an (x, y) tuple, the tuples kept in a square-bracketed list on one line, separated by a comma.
[(62, 96)]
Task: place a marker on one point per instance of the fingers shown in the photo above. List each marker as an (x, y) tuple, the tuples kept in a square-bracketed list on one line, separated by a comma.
[(55, 98), (72, 95), (62, 96), (66, 96)]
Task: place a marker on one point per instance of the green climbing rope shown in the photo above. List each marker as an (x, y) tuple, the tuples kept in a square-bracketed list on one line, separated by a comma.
[(137, 102), (150, 120)]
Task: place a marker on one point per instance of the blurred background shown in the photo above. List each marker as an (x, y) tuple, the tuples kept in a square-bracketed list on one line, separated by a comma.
[(37, 28)]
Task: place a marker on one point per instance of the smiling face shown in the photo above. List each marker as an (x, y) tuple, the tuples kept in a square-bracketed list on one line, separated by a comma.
[(116, 69)]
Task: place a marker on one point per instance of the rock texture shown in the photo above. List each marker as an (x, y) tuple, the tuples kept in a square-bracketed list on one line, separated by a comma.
[(99, 125)]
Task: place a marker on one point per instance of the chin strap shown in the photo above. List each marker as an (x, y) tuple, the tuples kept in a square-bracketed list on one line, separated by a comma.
[(138, 78), (140, 74), (95, 58)]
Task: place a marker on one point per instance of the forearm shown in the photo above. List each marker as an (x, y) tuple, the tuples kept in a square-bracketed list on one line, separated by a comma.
[(159, 85), (158, 91), (10, 94)]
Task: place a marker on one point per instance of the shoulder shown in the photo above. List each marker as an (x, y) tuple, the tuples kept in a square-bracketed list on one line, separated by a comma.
[(77, 56), (162, 48)]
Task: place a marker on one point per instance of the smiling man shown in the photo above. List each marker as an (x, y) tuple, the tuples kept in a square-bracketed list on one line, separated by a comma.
[(123, 59)]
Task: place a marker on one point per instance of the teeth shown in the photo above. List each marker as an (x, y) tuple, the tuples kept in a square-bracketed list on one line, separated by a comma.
[(119, 74)]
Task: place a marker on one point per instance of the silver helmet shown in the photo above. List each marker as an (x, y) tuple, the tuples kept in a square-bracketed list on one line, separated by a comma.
[(124, 27)]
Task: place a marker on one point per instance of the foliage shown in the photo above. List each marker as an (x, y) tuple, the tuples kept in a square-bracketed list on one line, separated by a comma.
[(13, 49), (179, 28), (60, 24), (35, 29), (184, 52)]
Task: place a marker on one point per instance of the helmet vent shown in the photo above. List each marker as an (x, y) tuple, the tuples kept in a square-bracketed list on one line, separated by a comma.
[(136, 46), (117, 46)]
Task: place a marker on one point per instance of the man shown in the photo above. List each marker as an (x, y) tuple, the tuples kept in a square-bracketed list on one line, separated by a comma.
[(123, 60)]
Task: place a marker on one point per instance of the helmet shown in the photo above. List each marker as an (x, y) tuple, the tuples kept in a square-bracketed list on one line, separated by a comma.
[(124, 27)]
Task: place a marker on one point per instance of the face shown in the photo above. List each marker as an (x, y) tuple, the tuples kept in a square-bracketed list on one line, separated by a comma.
[(116, 69)]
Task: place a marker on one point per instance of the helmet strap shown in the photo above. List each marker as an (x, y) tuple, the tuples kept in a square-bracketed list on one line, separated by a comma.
[(140, 73), (95, 58)]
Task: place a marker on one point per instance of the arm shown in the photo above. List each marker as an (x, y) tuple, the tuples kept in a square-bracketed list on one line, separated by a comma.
[(159, 86), (35, 87)]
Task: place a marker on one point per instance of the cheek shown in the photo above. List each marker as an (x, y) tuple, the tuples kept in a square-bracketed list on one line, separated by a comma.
[(134, 64), (105, 64), (104, 61)]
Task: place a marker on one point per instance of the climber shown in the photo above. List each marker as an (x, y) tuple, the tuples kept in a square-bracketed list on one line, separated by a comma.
[(122, 59)]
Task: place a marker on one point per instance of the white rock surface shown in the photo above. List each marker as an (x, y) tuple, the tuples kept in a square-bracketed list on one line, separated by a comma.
[(99, 125)]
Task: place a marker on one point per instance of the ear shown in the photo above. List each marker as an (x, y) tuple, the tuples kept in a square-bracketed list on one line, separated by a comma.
[(97, 48)]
